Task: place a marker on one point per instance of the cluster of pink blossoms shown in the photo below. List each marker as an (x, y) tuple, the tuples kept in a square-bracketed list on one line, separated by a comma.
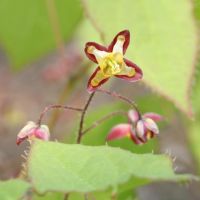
[(139, 128), (111, 62)]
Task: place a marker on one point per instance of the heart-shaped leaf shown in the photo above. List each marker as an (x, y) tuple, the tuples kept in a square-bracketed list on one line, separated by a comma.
[(13, 189), (60, 167)]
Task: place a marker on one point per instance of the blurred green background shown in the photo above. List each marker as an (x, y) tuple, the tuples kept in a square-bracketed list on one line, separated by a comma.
[(42, 62)]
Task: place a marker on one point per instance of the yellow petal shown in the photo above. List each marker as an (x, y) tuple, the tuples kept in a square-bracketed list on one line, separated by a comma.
[(127, 71), (99, 76)]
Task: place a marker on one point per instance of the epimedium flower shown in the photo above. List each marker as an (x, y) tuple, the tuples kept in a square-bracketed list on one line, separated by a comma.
[(111, 61), (32, 130), (139, 129)]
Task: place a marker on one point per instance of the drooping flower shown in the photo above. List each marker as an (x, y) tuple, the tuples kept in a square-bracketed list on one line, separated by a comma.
[(111, 61), (139, 129), (32, 130)]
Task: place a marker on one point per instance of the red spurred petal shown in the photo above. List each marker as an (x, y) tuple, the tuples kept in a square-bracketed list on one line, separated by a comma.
[(89, 54), (140, 129), (155, 117), (96, 80), (135, 138), (119, 131), (123, 34), (151, 125), (133, 116), (132, 78)]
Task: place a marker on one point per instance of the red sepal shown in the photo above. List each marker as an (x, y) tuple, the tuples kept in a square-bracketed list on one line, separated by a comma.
[(91, 88), (97, 46)]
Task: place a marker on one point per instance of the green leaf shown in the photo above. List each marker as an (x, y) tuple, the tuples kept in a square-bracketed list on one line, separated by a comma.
[(197, 9), (104, 195), (127, 195), (194, 127), (194, 138), (26, 31), (13, 189), (196, 94), (50, 196), (94, 195), (163, 41), (60, 167)]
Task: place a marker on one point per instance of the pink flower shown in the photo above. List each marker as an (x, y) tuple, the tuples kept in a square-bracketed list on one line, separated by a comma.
[(139, 129), (111, 61), (32, 130)]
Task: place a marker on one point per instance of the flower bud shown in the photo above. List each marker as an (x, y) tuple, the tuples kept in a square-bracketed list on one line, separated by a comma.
[(151, 125), (32, 130), (133, 116)]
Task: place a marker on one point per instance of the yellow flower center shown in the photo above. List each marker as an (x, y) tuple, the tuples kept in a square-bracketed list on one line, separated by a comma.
[(112, 64), (148, 135)]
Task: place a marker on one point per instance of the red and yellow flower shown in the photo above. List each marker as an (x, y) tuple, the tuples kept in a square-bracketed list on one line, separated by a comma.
[(111, 61)]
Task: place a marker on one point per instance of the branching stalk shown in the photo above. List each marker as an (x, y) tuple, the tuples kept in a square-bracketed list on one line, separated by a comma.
[(56, 107), (80, 133), (123, 98), (103, 119)]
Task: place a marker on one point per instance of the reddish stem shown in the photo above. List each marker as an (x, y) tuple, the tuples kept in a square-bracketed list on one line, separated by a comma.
[(103, 119), (119, 96), (78, 141), (56, 107)]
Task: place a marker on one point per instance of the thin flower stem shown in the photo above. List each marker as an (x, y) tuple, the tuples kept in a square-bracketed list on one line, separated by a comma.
[(119, 96), (56, 107), (92, 20), (103, 119), (80, 133)]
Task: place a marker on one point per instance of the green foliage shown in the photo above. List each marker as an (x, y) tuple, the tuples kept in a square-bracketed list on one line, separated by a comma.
[(197, 9), (97, 195), (194, 138), (26, 31), (127, 195), (13, 189), (60, 167), (49, 196), (104, 195), (157, 104), (194, 126), (196, 91), (163, 41)]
